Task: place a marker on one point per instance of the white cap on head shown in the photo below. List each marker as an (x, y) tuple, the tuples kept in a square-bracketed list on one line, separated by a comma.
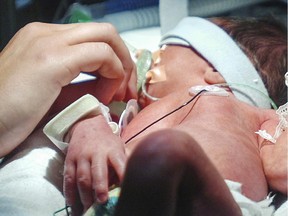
[(217, 47)]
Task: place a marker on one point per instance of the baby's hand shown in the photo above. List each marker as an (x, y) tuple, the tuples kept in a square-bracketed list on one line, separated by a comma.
[(274, 160), (93, 151)]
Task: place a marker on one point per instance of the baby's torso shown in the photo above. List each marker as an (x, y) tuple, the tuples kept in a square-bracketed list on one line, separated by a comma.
[(223, 127)]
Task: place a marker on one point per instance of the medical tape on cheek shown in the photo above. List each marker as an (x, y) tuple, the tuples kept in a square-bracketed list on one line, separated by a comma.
[(157, 74), (86, 106)]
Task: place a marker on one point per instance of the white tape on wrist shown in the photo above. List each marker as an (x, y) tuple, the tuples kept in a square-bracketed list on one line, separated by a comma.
[(88, 105)]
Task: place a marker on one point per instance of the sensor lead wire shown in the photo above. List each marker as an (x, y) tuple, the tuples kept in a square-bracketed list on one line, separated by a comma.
[(173, 111)]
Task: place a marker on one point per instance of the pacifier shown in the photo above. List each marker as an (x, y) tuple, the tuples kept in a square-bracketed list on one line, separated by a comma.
[(143, 59)]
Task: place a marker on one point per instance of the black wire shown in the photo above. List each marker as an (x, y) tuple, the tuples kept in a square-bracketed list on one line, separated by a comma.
[(175, 110), (67, 211)]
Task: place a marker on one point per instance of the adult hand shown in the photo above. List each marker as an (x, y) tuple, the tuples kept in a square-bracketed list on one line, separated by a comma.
[(42, 58), (94, 155)]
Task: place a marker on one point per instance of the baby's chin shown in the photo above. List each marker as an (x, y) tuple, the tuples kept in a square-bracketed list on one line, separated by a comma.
[(143, 101)]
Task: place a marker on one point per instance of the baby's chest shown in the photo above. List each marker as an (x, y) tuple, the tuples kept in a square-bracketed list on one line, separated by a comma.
[(151, 119)]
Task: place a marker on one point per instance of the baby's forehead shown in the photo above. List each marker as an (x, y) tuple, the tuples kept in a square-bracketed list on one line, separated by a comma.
[(170, 52)]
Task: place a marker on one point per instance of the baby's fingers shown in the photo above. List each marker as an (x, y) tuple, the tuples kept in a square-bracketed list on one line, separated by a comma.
[(99, 172), (118, 161), (70, 185), (84, 183)]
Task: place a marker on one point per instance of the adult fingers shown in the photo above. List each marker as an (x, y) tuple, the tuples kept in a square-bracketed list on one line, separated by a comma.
[(89, 57), (104, 32), (129, 86), (99, 59), (131, 91), (37, 29), (105, 90), (79, 47), (100, 32)]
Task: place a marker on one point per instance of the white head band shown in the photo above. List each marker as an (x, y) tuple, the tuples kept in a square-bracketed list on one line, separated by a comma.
[(217, 47)]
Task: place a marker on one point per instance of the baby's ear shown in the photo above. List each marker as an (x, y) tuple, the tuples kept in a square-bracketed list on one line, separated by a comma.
[(212, 76)]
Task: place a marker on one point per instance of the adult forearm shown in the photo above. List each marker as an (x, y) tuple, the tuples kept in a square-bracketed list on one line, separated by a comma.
[(18, 118)]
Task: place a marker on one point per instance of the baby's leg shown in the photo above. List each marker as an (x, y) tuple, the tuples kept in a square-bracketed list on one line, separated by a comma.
[(169, 174)]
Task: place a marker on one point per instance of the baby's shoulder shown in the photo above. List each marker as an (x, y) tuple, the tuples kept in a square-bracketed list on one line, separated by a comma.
[(268, 117), (268, 125)]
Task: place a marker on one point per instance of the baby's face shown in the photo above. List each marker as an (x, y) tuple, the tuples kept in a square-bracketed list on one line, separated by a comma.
[(178, 67)]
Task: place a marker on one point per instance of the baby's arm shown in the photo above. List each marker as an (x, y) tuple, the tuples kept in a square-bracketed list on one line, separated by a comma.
[(93, 152), (274, 159), (85, 132)]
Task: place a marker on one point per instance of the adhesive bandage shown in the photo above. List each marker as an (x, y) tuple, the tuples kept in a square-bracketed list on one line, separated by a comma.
[(156, 75)]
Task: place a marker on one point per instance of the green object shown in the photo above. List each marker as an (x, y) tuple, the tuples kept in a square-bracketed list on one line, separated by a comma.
[(78, 14), (106, 209), (143, 64)]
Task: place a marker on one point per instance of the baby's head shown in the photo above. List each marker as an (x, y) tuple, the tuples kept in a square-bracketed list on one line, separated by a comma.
[(264, 41), (230, 58)]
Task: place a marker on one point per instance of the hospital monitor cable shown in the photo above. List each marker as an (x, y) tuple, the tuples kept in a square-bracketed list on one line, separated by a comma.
[(166, 115)]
